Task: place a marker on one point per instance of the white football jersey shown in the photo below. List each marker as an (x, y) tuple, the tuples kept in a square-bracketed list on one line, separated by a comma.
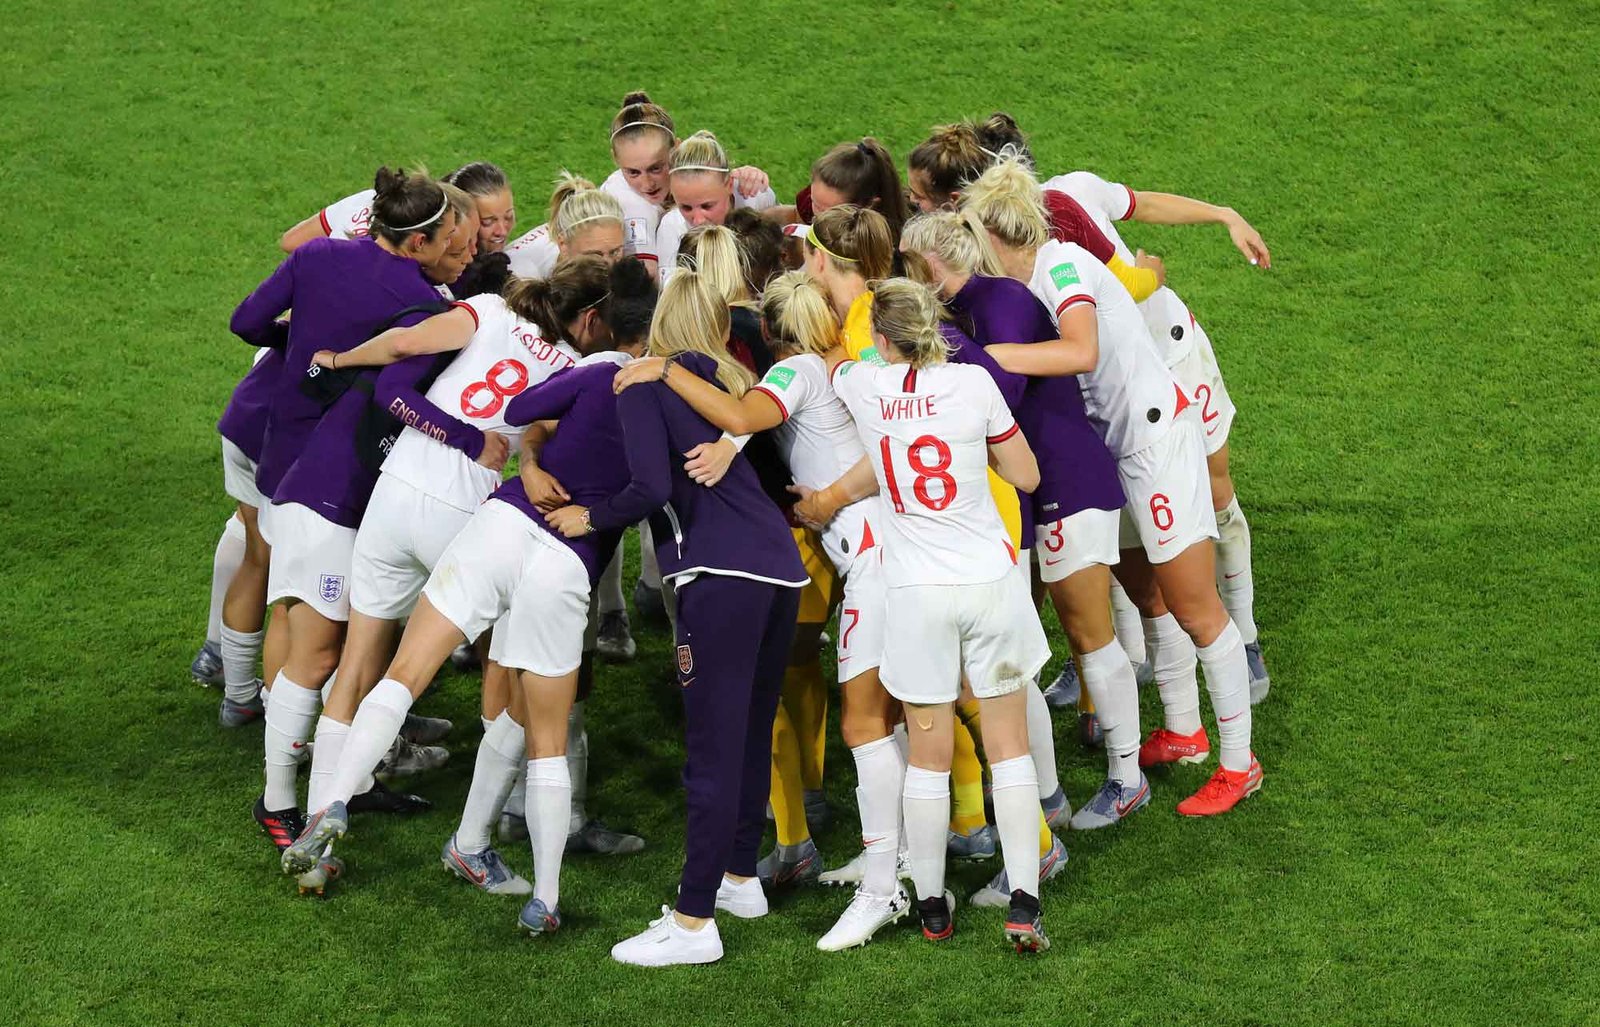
[(534, 255), (819, 443), (351, 217), (1171, 324), (1130, 395), (504, 357), (673, 227), (639, 217), (928, 433)]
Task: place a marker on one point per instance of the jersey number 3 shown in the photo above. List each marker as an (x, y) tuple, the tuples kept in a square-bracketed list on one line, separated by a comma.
[(936, 470), (504, 380)]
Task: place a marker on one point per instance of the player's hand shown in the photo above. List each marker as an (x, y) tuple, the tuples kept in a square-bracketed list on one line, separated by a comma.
[(709, 461), (324, 358), (815, 509), (1249, 242), (571, 521), (635, 372), (544, 492), (496, 450), (1152, 263), (749, 180)]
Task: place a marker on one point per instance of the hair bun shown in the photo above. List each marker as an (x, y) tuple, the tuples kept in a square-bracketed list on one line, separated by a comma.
[(388, 178), (637, 96)]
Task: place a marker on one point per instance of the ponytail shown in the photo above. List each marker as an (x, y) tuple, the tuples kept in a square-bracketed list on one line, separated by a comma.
[(956, 239), (865, 173), (553, 303), (567, 185), (907, 316), (713, 250), (855, 239), (1008, 201), (692, 318), (798, 316)]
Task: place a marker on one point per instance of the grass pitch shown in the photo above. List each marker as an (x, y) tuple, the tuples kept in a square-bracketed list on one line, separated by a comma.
[(1415, 453)]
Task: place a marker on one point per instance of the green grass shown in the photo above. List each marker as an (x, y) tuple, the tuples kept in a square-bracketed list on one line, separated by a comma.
[(1415, 452)]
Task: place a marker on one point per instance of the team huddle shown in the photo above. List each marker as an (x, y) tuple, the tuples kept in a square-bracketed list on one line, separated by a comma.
[(921, 406)]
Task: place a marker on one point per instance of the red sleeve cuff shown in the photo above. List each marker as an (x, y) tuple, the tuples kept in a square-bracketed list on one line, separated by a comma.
[(468, 308), (1081, 297), (1133, 201), (322, 216), (774, 397), (995, 440), (647, 256)]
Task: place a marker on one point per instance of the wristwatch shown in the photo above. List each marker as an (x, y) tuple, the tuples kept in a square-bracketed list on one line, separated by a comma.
[(588, 528), (666, 366)]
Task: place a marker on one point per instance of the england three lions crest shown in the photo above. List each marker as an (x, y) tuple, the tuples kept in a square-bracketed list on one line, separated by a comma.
[(331, 587), (685, 660)]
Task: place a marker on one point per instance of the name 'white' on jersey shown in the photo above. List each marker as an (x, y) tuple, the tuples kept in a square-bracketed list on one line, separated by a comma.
[(349, 218), (504, 357), (1171, 324), (1130, 395), (819, 443), (927, 433)]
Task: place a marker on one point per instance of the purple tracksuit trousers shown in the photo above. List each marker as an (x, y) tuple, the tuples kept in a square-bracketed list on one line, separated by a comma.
[(733, 645)]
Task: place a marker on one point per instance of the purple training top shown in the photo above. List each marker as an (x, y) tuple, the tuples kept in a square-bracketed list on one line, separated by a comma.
[(245, 419), (1076, 471), (342, 291), (586, 455), (963, 350), (730, 528)]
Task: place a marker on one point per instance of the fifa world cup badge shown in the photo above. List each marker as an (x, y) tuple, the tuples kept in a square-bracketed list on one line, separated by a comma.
[(685, 660), (331, 587)]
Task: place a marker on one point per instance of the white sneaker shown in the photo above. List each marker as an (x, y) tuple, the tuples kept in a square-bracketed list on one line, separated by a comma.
[(863, 918), (668, 943), (745, 901), (851, 874)]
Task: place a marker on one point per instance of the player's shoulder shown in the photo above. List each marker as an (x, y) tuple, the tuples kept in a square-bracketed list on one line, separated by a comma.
[(1076, 183), (533, 237)]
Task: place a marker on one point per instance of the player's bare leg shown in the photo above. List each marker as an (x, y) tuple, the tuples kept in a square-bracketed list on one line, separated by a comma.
[(1235, 576)]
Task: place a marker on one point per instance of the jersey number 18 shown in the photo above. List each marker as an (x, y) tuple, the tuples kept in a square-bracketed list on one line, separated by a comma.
[(936, 470)]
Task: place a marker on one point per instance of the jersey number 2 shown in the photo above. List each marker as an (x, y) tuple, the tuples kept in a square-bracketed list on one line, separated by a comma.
[(938, 470), (504, 380)]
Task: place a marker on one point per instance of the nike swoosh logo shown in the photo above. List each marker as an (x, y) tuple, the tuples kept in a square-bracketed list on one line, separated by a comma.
[(1230, 577), (1052, 563), (1164, 541), (867, 843), (1123, 808), (477, 878)]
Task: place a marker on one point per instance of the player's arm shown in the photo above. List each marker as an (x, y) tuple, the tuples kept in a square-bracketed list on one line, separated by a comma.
[(644, 431), (1013, 460), (441, 333), (1141, 278), (817, 508), (255, 320), (1171, 209), (1077, 351), (544, 491), (396, 391), (307, 230)]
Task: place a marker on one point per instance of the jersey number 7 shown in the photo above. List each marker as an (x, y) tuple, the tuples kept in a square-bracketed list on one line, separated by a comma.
[(936, 470)]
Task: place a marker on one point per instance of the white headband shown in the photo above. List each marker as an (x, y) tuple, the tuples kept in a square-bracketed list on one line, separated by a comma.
[(696, 167), (639, 124), (424, 224), (593, 217)]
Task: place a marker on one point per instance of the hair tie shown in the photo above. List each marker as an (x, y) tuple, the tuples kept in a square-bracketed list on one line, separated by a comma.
[(424, 224)]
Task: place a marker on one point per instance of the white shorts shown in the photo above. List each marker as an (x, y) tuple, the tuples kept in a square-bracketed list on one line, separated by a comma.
[(937, 633), (403, 535), (862, 615), (1201, 379), (239, 476), (1169, 492), (1083, 539), (311, 561), (504, 570)]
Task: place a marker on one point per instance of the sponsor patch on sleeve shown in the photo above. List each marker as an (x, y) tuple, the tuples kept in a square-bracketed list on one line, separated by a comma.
[(1064, 274), (779, 377)]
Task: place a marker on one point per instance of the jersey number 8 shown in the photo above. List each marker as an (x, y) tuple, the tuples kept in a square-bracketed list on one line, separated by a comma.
[(504, 380), (938, 470)]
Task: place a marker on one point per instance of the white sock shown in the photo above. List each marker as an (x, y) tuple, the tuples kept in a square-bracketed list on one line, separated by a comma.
[(927, 817), (1125, 616), (289, 721), (225, 564), (1042, 741), (500, 758), (609, 588), (1172, 658), (378, 720), (1228, 682), (577, 767), (1016, 821), (1235, 581), (880, 776), (324, 760), (549, 799), (241, 650), (1108, 676), (649, 570)]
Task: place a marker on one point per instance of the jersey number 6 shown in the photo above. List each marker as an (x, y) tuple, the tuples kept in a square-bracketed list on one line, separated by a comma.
[(938, 470)]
